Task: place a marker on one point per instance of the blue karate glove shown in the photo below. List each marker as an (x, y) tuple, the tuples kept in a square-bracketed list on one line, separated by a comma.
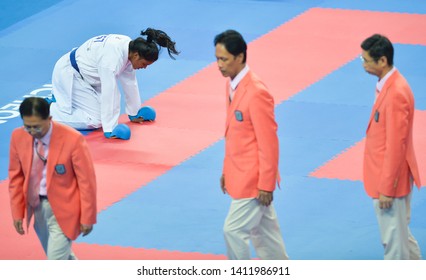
[(121, 131), (147, 113)]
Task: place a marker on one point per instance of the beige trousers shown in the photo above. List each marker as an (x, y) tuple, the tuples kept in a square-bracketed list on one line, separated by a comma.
[(247, 220), (55, 244), (397, 240)]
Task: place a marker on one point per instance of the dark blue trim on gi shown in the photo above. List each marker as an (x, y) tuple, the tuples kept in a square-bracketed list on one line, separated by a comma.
[(73, 61)]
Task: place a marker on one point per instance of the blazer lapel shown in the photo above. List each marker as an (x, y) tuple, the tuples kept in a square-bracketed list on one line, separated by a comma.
[(55, 147), (238, 96), (382, 97), (27, 145)]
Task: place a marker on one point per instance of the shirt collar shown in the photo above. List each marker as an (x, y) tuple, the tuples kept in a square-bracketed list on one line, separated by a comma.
[(239, 77), (46, 138), (380, 84)]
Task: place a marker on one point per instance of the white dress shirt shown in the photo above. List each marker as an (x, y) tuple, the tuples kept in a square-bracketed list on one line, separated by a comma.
[(380, 84), (45, 140), (234, 83)]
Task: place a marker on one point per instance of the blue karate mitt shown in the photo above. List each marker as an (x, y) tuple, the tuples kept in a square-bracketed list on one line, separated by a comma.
[(147, 113), (121, 131)]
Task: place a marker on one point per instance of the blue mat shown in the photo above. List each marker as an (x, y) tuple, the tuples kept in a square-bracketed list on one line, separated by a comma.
[(178, 211), (320, 218), (13, 11), (295, 160), (408, 59), (356, 90), (322, 121), (358, 86)]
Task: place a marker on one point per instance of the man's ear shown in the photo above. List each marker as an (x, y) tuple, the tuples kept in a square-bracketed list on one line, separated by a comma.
[(240, 57), (383, 61)]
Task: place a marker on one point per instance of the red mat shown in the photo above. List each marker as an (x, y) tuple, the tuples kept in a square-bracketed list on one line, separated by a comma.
[(106, 252)]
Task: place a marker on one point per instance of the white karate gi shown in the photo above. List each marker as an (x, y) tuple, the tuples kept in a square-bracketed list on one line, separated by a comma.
[(91, 99)]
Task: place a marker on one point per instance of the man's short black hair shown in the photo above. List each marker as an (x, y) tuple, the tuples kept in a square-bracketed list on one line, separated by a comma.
[(35, 106), (233, 42), (377, 46)]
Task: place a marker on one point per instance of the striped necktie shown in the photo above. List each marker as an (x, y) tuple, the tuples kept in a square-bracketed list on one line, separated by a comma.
[(36, 174)]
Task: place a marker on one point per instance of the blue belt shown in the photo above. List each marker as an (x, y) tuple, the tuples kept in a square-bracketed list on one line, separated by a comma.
[(73, 61)]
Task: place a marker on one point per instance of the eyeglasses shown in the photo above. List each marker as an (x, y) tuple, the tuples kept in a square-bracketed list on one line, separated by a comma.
[(365, 60), (35, 128)]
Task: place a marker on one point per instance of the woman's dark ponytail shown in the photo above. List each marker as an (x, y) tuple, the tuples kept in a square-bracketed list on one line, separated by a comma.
[(161, 39)]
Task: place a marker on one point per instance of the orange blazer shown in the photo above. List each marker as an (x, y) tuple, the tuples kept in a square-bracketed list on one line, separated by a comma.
[(71, 191), (251, 142), (389, 158)]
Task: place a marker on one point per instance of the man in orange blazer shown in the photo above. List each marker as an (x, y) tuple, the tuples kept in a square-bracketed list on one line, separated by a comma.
[(250, 169), (51, 176), (390, 165)]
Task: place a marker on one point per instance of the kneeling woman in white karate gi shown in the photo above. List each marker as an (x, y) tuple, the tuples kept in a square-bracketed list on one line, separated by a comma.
[(85, 80)]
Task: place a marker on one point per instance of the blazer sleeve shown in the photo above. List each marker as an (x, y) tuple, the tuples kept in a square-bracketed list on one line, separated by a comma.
[(398, 114), (86, 180), (261, 109), (16, 182), (227, 102)]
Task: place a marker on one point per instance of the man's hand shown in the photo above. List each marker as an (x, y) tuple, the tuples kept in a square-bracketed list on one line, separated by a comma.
[(86, 229), (18, 226), (265, 198), (385, 202), (222, 183)]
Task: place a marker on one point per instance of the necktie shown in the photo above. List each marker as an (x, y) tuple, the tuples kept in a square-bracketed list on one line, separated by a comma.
[(36, 175)]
